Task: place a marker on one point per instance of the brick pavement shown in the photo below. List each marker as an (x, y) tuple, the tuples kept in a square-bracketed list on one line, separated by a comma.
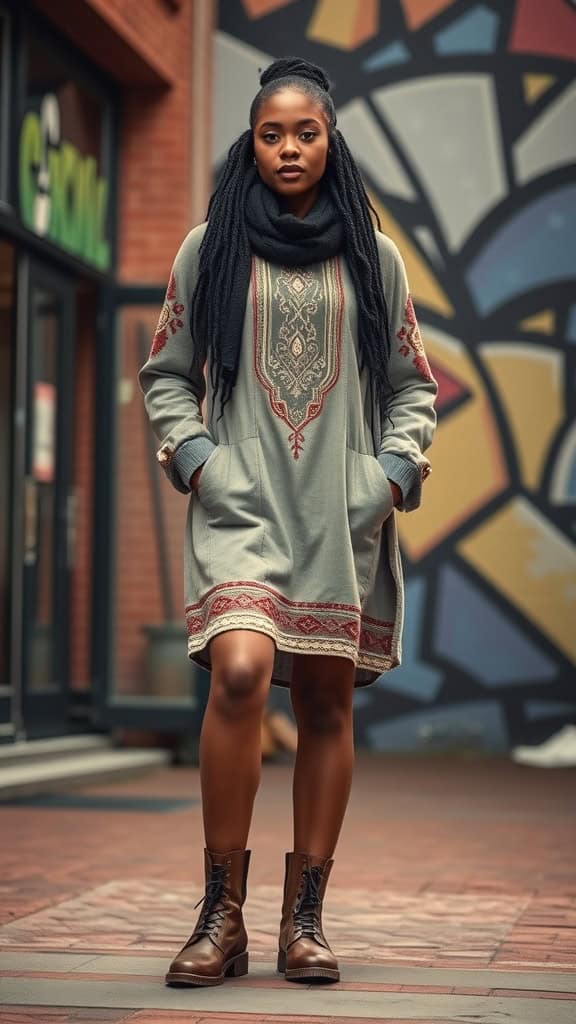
[(453, 897)]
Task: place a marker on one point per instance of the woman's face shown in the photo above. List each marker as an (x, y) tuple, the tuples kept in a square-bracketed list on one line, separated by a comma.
[(291, 146)]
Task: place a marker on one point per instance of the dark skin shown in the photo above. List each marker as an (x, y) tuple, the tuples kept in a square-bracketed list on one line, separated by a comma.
[(290, 131)]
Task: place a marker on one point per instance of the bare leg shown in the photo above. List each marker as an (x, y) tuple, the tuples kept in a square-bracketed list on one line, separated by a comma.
[(230, 748), (321, 692)]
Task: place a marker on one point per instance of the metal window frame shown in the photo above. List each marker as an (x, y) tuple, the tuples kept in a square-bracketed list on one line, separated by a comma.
[(5, 96)]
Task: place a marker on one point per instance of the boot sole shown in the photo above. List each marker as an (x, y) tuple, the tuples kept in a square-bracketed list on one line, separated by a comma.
[(235, 968), (307, 973)]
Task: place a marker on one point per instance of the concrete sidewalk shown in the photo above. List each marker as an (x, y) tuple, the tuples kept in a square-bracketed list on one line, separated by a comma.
[(452, 898)]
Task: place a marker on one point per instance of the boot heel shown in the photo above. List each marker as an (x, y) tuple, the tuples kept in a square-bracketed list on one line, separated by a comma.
[(239, 967), (281, 962)]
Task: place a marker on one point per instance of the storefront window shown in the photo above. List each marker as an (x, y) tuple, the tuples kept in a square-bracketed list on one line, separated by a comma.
[(63, 185), (150, 659), (7, 319)]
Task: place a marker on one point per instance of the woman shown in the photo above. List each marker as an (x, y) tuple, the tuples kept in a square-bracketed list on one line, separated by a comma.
[(320, 404)]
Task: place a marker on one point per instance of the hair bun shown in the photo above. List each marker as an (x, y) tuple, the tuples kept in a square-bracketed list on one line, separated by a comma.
[(295, 67)]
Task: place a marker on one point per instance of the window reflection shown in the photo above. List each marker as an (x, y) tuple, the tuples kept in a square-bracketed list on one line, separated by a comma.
[(45, 328)]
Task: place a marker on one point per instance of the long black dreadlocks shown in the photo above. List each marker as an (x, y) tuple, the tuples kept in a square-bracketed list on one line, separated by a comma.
[(226, 239)]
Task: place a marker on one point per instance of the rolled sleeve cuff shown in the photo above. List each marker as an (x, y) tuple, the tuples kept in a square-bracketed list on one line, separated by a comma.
[(190, 455), (406, 475)]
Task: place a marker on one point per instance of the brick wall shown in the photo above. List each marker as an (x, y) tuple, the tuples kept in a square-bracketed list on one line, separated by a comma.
[(138, 590), (155, 153), (158, 53), (148, 47)]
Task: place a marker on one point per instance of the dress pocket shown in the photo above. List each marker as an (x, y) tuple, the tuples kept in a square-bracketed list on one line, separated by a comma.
[(370, 502), (370, 499), (207, 489), (230, 495)]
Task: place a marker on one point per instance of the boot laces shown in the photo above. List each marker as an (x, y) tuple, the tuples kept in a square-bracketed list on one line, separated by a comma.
[(212, 915), (306, 909)]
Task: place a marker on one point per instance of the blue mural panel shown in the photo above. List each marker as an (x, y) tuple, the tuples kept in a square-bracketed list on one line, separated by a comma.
[(536, 709), (394, 53), (474, 32), (476, 725), (533, 249), (475, 635), (414, 678)]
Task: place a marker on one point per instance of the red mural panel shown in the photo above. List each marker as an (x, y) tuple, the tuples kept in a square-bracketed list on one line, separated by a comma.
[(544, 28)]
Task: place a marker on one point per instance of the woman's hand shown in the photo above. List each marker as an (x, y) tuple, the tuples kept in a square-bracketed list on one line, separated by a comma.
[(396, 493)]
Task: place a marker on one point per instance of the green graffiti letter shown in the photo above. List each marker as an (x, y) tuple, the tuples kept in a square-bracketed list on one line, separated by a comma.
[(57, 213), (69, 162), (102, 254), (30, 156), (89, 247)]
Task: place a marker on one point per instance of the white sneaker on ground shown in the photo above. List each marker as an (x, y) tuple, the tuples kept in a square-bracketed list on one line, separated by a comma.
[(559, 751)]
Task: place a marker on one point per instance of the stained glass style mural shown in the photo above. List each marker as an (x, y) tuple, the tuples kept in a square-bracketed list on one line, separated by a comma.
[(461, 115)]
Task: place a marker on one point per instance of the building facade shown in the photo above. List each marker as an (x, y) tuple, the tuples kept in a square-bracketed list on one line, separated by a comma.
[(104, 135)]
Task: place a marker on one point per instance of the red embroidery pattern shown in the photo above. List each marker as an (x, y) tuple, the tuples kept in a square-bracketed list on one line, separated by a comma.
[(297, 621), (169, 318), (409, 335), (297, 341)]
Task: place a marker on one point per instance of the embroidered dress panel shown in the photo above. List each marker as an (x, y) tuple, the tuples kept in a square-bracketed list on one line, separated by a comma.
[(411, 341), (170, 318), (311, 627), (297, 341)]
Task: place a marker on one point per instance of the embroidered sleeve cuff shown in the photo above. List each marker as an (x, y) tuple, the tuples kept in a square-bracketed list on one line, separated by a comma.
[(190, 455), (404, 473)]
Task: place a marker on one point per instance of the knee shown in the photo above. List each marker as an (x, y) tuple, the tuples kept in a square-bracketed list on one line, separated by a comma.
[(324, 715), (239, 688)]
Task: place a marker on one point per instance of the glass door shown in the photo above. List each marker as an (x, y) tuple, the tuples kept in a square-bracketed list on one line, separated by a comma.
[(48, 506)]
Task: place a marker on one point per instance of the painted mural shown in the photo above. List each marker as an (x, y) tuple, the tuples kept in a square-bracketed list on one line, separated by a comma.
[(462, 117)]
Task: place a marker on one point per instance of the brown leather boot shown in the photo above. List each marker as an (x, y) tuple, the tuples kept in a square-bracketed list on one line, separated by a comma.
[(303, 949), (217, 947)]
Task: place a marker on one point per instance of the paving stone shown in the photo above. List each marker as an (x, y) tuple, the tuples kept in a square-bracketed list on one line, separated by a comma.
[(57, 1015), (305, 1001), (463, 887)]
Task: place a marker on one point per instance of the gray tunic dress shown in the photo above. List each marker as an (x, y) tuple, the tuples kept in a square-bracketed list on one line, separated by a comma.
[(292, 530)]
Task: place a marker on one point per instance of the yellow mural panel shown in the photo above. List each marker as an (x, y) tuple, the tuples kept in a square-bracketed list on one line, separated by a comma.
[(424, 287), (533, 565), (466, 455), (528, 378), (543, 322), (344, 23), (536, 85)]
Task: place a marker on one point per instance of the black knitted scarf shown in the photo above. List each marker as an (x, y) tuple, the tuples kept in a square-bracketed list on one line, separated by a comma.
[(278, 237)]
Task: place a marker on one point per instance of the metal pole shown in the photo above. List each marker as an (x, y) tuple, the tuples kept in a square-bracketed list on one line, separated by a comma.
[(18, 481)]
